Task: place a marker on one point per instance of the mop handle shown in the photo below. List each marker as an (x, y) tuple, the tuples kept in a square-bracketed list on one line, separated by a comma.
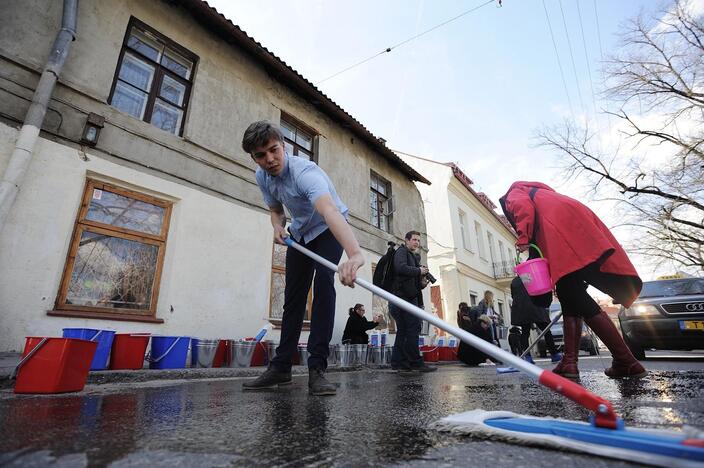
[(542, 333), (605, 415)]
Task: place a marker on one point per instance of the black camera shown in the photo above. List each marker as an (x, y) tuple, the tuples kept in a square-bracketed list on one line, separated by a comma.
[(430, 278)]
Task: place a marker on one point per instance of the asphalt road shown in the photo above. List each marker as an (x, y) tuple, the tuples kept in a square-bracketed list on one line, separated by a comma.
[(378, 417)]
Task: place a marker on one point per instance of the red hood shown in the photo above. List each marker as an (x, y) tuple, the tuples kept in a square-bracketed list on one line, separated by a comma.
[(527, 186)]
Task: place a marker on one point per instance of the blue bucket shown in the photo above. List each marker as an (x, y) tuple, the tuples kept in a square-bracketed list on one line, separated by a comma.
[(102, 337), (169, 352)]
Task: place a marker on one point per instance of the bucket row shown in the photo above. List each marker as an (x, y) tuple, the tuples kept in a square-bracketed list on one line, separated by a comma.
[(121, 351)]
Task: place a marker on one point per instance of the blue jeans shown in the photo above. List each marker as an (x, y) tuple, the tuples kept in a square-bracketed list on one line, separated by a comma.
[(299, 276), (405, 352)]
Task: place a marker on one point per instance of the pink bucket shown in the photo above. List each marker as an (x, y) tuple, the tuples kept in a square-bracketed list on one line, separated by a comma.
[(535, 274)]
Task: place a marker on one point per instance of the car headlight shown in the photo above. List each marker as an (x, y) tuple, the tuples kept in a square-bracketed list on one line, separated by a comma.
[(642, 310)]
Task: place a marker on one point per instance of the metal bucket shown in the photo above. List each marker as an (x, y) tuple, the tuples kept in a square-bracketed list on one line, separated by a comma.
[(203, 352), (334, 356), (345, 353), (271, 349), (387, 354), (303, 352), (359, 354), (375, 355), (241, 353)]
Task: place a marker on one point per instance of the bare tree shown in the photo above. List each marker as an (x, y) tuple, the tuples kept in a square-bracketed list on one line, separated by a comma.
[(656, 81)]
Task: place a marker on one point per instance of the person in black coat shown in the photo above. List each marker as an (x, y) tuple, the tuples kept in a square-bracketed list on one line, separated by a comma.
[(410, 277), (525, 313), (357, 326), (469, 354)]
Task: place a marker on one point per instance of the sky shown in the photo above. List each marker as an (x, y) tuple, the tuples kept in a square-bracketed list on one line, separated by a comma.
[(474, 91)]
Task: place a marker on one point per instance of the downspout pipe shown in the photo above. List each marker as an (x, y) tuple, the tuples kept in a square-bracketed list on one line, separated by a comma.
[(29, 133)]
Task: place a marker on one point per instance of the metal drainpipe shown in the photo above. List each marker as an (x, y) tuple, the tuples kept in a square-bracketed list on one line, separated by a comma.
[(27, 138)]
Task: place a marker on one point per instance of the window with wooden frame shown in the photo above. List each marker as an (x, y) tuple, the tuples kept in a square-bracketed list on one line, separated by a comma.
[(299, 139), (116, 255), (278, 286), (380, 306), (380, 202), (153, 78)]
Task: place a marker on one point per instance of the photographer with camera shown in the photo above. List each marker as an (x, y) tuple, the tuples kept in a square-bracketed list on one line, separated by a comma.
[(409, 280)]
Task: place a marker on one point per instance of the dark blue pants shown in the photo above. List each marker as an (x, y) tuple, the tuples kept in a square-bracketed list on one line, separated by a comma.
[(299, 275), (405, 353)]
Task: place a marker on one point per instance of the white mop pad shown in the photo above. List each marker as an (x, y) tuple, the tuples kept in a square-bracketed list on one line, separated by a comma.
[(472, 423)]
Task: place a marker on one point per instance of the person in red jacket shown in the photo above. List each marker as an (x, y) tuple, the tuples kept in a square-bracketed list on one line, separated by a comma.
[(581, 251)]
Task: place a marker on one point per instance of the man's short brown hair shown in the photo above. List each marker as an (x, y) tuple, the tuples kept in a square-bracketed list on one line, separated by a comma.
[(410, 234), (259, 134)]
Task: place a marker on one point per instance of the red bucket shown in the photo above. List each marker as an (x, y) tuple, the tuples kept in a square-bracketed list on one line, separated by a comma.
[(128, 350), (54, 365), (430, 353), (447, 354), (220, 353), (259, 358)]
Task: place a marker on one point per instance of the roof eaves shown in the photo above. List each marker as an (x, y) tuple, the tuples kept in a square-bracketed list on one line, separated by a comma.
[(203, 12), (481, 197)]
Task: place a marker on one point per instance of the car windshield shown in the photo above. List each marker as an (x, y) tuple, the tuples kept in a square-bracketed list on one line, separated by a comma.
[(678, 287)]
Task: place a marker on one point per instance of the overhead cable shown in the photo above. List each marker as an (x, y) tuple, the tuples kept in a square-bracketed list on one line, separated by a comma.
[(559, 63), (389, 49)]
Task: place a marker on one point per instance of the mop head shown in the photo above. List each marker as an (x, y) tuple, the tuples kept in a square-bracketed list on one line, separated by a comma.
[(647, 446)]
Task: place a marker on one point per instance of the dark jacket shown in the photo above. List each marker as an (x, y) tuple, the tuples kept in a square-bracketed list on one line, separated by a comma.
[(469, 354), (406, 283), (570, 236), (356, 329), (523, 310)]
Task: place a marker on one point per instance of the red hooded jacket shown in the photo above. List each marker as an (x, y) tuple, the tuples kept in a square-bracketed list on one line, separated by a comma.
[(570, 235)]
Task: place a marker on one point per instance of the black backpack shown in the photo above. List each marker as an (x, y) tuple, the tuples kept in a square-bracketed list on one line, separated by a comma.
[(384, 273)]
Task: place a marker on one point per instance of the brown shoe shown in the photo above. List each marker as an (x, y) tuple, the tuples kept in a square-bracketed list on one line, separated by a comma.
[(572, 327), (624, 364)]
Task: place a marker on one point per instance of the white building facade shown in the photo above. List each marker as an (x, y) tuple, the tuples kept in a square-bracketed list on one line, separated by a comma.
[(157, 224), (471, 248)]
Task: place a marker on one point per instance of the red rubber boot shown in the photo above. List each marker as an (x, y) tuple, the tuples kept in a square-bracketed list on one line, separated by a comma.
[(572, 327), (624, 364)]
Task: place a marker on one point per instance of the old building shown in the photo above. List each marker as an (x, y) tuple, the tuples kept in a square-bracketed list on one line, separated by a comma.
[(139, 210), (471, 247)]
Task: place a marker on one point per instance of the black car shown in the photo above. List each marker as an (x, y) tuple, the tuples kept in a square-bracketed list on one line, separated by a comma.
[(668, 314), (587, 341)]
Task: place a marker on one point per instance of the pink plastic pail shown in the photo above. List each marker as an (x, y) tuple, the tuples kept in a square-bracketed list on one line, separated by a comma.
[(535, 274)]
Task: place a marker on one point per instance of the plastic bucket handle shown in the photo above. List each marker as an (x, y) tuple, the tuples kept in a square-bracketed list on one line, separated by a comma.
[(518, 257), (26, 358), (96, 335), (428, 350), (167, 351)]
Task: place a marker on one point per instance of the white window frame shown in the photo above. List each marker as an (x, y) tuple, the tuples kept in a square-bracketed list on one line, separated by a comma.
[(480, 240), (464, 231)]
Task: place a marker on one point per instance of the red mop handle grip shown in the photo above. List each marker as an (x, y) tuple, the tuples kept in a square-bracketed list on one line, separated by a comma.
[(604, 414)]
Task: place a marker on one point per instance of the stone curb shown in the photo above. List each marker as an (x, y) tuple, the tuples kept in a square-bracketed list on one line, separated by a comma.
[(146, 375)]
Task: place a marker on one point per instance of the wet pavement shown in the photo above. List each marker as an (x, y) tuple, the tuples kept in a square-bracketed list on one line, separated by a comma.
[(378, 417)]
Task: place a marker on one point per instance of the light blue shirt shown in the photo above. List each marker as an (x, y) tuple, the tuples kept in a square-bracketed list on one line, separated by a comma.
[(297, 188)]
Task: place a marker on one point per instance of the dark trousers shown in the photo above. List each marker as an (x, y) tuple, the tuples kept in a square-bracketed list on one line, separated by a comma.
[(405, 353), (299, 275), (525, 336), (571, 291)]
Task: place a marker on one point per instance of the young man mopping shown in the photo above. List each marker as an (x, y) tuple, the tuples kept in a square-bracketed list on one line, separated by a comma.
[(318, 223)]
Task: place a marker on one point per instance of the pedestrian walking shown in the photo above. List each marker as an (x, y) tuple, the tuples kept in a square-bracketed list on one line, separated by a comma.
[(582, 252)]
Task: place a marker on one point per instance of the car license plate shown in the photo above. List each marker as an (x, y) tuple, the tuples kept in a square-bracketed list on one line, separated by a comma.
[(692, 325)]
